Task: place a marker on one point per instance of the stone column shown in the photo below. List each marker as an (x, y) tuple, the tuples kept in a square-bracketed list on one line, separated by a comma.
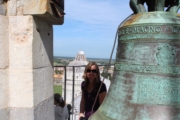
[(26, 59), (30, 69), (4, 68)]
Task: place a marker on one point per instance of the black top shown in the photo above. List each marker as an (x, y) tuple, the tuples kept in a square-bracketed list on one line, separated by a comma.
[(90, 98)]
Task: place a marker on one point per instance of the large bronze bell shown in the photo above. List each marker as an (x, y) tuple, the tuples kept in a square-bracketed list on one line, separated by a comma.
[(146, 83)]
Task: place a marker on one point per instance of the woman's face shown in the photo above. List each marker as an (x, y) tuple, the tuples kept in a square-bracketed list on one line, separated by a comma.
[(91, 73)]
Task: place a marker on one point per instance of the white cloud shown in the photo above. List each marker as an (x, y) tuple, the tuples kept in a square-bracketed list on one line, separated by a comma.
[(99, 12), (89, 25)]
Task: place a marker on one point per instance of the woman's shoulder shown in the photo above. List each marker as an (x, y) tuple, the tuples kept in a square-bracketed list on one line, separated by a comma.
[(58, 107), (101, 82), (83, 86), (65, 108), (103, 87)]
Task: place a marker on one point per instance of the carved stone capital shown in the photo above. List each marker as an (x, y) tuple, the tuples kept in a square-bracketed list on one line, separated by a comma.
[(51, 11)]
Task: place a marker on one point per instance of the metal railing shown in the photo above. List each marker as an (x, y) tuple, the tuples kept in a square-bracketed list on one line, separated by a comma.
[(65, 85), (73, 85)]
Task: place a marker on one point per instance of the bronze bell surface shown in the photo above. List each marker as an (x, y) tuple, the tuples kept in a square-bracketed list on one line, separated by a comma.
[(146, 80)]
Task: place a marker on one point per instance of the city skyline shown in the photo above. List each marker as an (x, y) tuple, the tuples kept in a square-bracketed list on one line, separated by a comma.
[(89, 26)]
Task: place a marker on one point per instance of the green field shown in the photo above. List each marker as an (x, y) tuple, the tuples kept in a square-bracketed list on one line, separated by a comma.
[(58, 89)]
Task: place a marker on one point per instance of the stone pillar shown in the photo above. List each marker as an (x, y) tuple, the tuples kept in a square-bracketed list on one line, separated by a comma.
[(30, 69), (4, 68), (26, 59)]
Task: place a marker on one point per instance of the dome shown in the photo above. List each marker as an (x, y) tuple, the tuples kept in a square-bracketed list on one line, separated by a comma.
[(80, 60), (81, 52)]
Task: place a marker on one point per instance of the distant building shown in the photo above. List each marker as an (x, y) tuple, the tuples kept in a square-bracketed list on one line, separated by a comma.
[(79, 64)]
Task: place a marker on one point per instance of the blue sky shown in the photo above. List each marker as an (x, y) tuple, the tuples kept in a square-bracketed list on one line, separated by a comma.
[(89, 25)]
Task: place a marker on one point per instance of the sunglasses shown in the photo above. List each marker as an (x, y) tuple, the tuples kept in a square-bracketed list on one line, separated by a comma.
[(93, 71)]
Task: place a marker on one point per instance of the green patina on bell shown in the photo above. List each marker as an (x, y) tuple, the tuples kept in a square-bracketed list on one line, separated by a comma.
[(146, 83)]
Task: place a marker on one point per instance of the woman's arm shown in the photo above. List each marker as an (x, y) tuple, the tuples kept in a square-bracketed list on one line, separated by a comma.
[(82, 105), (101, 97)]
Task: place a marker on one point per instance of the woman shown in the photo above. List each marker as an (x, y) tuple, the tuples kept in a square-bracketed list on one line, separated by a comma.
[(90, 87), (60, 110)]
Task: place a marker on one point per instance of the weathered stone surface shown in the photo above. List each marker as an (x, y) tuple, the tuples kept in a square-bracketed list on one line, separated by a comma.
[(3, 89), (43, 10), (43, 84), (20, 5), (21, 113), (3, 65), (4, 42), (30, 69), (28, 7), (20, 41), (4, 114), (2, 9), (42, 44), (26, 59), (39, 8), (36, 7), (20, 88), (11, 8), (45, 110)]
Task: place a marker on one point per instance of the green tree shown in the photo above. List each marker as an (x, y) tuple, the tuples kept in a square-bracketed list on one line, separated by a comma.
[(58, 71)]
